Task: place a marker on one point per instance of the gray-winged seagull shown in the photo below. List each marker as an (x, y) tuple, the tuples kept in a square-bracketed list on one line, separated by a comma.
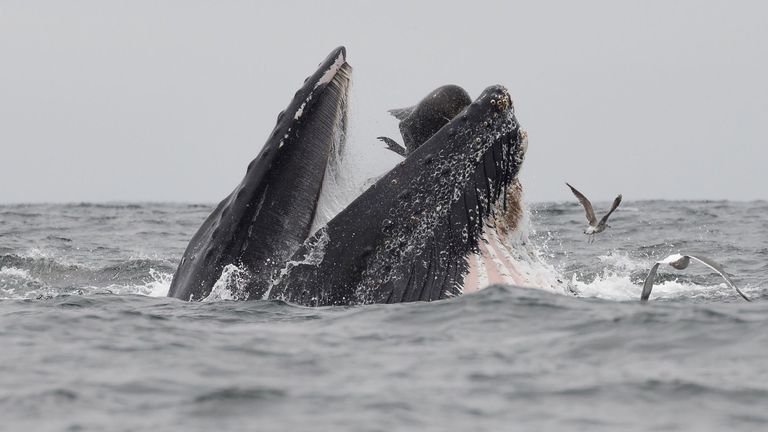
[(595, 226), (680, 262)]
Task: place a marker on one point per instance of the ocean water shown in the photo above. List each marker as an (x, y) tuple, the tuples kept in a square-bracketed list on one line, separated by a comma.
[(88, 342)]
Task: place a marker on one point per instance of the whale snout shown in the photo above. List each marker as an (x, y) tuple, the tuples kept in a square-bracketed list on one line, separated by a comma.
[(495, 97), (494, 101)]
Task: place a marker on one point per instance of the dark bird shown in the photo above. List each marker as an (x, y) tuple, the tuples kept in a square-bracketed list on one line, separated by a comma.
[(681, 262), (595, 226)]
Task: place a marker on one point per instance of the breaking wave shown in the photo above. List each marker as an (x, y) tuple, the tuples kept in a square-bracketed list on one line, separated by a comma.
[(38, 275)]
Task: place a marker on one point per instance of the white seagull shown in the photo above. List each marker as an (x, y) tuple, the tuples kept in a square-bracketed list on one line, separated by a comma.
[(595, 226), (681, 262)]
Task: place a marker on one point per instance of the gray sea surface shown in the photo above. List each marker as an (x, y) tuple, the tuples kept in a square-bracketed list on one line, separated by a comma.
[(89, 342)]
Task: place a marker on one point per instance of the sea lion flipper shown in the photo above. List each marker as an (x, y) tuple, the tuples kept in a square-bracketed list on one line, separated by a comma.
[(402, 113), (392, 145)]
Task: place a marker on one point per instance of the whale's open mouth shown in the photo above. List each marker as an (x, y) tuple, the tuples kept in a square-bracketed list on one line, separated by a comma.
[(407, 238)]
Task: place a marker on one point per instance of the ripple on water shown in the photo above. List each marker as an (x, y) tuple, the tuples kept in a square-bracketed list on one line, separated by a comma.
[(95, 351)]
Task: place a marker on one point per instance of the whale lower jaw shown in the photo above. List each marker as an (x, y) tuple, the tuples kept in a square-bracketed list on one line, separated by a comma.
[(505, 254)]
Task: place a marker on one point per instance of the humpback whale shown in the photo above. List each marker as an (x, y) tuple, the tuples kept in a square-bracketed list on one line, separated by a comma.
[(271, 212), (408, 237)]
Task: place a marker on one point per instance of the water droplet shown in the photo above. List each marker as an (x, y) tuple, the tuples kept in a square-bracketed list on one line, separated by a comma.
[(386, 226)]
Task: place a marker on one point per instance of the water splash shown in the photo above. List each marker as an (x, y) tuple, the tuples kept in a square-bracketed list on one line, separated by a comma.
[(19, 283), (316, 253), (158, 286), (232, 285)]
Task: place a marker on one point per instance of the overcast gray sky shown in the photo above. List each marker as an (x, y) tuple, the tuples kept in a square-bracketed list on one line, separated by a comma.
[(170, 100)]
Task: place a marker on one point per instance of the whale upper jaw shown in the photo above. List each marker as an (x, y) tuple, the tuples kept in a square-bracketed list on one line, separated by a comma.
[(270, 213)]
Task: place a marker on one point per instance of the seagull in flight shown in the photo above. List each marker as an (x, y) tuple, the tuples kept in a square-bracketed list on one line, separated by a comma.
[(681, 262), (595, 226)]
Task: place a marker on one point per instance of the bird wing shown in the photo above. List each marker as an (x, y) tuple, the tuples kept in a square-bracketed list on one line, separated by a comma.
[(672, 259), (586, 204), (615, 204), (648, 284), (720, 270)]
